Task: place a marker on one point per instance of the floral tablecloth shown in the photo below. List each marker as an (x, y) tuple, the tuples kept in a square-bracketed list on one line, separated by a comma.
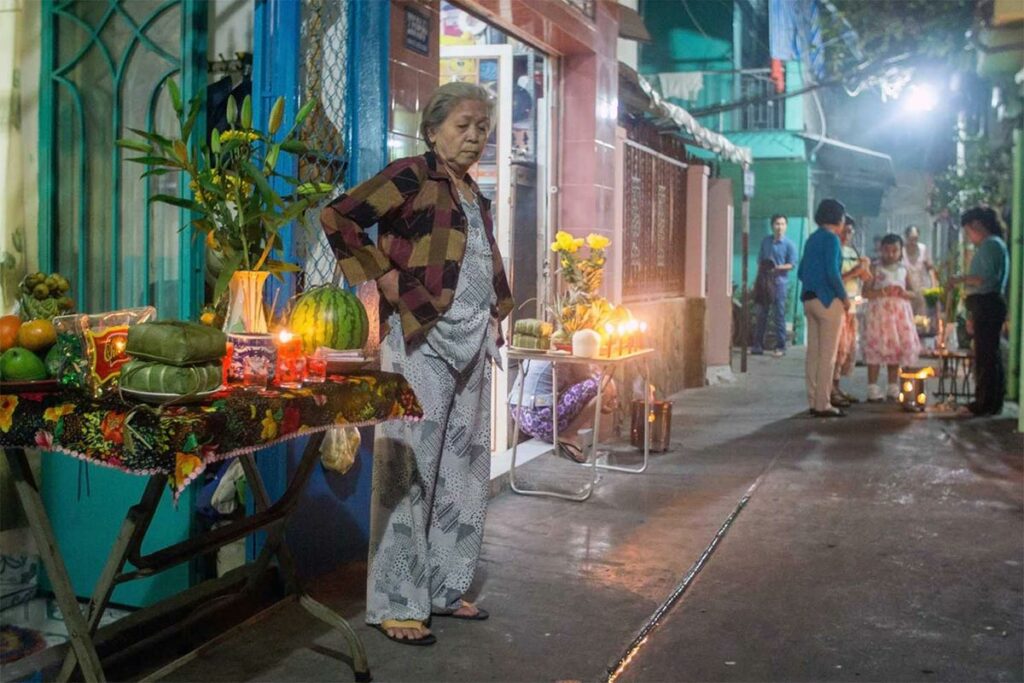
[(181, 440)]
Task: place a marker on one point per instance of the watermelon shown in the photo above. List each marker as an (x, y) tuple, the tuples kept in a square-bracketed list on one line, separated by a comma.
[(329, 316)]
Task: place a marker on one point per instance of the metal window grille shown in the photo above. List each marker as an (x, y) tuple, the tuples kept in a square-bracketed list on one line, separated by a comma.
[(322, 77), (766, 114), (654, 218)]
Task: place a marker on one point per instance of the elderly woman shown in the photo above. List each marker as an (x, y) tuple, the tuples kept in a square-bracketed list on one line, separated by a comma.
[(443, 294), (825, 304), (986, 303)]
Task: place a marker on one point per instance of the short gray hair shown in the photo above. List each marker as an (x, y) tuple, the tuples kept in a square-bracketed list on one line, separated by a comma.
[(445, 99)]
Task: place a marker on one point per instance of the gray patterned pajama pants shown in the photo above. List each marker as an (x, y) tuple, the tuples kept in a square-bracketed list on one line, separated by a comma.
[(430, 487)]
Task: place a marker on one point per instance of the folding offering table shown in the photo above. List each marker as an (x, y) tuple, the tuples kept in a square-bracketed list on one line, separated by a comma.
[(605, 364), (173, 444)]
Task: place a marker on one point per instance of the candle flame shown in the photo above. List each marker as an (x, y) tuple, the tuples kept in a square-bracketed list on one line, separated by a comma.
[(284, 336)]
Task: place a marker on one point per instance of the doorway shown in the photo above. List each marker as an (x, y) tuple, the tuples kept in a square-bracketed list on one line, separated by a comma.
[(516, 169)]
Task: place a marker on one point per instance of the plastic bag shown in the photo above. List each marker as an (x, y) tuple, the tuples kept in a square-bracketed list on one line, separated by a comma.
[(339, 449)]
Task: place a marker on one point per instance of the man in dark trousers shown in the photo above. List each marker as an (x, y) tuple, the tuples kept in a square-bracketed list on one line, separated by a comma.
[(781, 251)]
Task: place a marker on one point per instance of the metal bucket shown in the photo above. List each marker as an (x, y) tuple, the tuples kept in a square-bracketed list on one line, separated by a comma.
[(660, 419)]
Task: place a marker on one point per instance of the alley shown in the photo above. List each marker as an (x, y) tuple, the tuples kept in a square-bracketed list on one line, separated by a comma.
[(884, 546)]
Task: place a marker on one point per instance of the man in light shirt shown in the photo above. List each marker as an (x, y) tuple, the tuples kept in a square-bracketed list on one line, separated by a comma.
[(780, 250)]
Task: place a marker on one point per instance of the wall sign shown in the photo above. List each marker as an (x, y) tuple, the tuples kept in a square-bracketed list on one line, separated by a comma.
[(417, 31)]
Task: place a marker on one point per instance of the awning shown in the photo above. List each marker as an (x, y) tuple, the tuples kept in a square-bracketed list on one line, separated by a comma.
[(857, 176), (636, 92), (854, 165), (631, 25)]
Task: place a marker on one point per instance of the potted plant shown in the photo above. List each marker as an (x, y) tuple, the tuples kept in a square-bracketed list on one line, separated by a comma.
[(233, 204)]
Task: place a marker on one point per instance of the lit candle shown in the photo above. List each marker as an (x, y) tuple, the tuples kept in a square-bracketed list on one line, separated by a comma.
[(609, 331), (643, 334), (288, 345), (622, 336), (633, 327)]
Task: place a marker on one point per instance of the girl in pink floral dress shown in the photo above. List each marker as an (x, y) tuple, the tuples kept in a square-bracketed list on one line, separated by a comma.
[(891, 336)]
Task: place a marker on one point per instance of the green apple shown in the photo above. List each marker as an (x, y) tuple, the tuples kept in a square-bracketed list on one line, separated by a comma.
[(21, 365)]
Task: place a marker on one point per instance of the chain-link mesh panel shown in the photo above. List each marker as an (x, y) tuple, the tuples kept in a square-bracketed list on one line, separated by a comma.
[(323, 78)]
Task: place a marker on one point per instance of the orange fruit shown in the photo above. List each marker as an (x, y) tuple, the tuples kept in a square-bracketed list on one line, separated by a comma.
[(9, 325), (37, 335)]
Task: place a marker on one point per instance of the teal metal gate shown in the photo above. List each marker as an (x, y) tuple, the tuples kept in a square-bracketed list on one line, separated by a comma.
[(103, 68)]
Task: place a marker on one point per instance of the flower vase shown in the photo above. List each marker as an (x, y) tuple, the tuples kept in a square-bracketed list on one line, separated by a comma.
[(245, 302)]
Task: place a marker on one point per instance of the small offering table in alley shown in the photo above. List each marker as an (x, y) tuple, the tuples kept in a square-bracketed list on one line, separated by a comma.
[(606, 365)]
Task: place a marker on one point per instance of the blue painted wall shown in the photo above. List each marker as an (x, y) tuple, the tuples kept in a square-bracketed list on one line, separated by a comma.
[(333, 521)]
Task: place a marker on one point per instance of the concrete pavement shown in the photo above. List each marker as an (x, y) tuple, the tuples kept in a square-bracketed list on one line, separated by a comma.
[(884, 546)]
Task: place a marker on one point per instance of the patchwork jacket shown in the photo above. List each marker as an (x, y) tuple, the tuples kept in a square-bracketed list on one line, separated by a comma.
[(420, 243)]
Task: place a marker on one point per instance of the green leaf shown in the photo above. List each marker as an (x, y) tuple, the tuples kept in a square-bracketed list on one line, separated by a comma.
[(261, 183), (276, 116), (232, 111), (172, 87), (231, 263), (176, 201), (303, 113), (215, 141), (152, 137), (136, 145), (155, 161), (247, 112), (156, 171), (275, 266), (295, 146), (195, 106), (180, 151), (272, 155), (306, 189)]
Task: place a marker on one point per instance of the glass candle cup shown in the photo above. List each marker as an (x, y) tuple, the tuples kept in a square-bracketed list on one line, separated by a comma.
[(316, 370)]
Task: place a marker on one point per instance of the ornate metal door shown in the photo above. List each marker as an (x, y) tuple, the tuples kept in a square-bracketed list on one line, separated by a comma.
[(104, 67)]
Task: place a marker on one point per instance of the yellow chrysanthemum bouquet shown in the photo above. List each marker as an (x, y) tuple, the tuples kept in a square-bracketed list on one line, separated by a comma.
[(230, 174), (579, 306)]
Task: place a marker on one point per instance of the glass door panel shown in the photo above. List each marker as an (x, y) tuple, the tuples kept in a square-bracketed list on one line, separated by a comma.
[(490, 66)]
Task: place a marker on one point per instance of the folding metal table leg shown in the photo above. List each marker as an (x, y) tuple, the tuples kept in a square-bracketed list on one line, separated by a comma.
[(275, 546), (32, 502), (592, 463), (647, 429), (133, 529)]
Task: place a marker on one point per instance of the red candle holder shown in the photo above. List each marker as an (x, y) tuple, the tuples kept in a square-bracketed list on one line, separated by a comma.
[(316, 370), (290, 370)]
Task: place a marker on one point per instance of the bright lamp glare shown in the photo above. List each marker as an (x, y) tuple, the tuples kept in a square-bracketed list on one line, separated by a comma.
[(920, 98)]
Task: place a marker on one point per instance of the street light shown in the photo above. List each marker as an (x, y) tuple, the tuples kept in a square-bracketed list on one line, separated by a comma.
[(920, 98)]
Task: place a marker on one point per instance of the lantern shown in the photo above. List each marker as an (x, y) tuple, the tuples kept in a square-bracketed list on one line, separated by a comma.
[(913, 394)]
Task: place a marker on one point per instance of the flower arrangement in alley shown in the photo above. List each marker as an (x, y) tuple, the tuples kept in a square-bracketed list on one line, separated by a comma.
[(580, 306), (932, 295), (233, 204)]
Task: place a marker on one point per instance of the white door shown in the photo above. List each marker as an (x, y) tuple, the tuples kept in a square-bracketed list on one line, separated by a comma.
[(491, 67)]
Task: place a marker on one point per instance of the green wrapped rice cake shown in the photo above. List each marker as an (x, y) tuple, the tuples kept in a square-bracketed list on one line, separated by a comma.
[(176, 342), (160, 378)]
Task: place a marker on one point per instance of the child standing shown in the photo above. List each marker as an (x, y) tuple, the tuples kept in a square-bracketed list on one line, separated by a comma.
[(891, 336)]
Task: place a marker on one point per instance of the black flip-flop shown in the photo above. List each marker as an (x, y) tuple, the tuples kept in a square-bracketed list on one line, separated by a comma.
[(428, 639), (481, 614)]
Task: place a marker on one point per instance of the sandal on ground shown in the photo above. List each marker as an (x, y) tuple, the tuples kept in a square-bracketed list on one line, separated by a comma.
[(571, 451), (480, 614), (426, 639), (831, 412)]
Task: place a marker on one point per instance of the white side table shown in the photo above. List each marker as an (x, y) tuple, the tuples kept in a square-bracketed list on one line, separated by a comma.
[(605, 364)]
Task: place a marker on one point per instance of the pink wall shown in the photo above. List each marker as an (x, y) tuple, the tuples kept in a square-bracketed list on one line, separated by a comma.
[(589, 104), (719, 281)]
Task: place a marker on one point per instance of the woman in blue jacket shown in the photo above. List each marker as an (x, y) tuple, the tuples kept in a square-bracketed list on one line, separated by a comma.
[(825, 304)]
